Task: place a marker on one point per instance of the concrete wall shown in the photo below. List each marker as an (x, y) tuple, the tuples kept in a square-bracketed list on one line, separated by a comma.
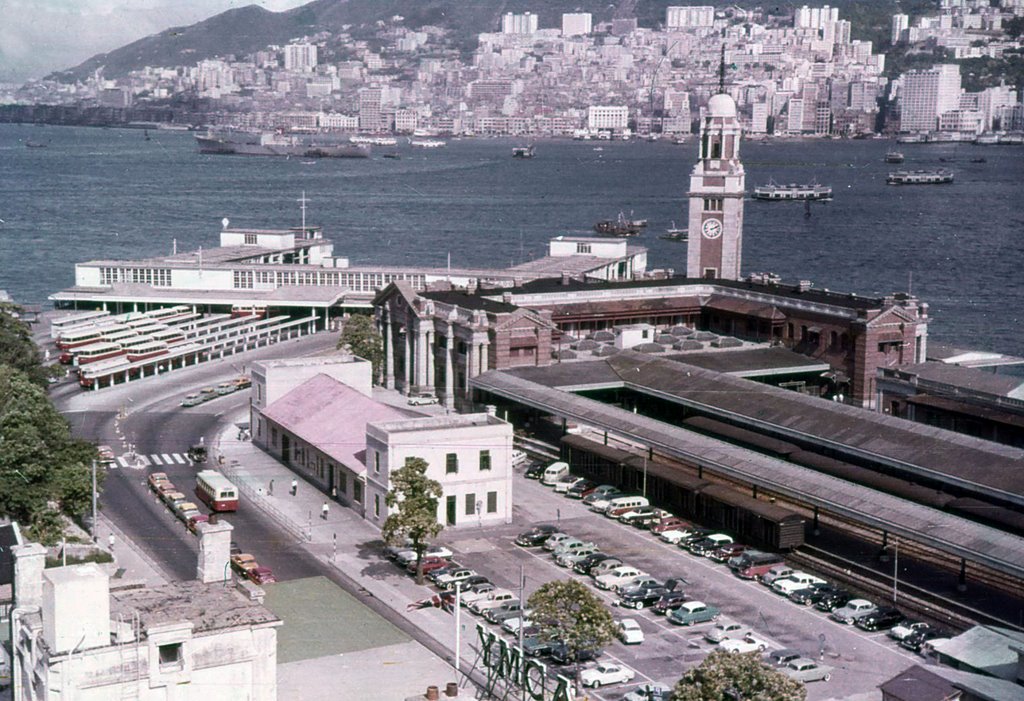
[(272, 379)]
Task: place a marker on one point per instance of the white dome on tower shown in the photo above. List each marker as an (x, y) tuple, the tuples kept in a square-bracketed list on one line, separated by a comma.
[(721, 105)]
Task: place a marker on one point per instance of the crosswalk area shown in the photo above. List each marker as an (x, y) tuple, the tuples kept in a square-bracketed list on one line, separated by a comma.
[(140, 461)]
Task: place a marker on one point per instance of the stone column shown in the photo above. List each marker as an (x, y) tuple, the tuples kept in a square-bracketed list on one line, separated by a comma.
[(389, 351), (485, 349), (431, 359), (449, 370), (408, 360), (422, 355)]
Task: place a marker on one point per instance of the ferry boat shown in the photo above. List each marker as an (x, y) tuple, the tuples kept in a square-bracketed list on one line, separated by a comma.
[(920, 177), (522, 152), (426, 143), (894, 157), (774, 192), (673, 233), (373, 140), (621, 227), (912, 139), (275, 144)]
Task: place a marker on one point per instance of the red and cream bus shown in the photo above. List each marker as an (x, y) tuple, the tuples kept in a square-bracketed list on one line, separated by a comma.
[(216, 491), (170, 336), (149, 349), (166, 314), (79, 337), (95, 352)]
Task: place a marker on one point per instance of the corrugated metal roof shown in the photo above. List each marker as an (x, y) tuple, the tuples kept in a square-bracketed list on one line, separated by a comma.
[(1001, 551)]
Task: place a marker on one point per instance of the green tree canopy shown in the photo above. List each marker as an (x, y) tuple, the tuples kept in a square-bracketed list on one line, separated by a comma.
[(413, 501), (43, 470), (17, 348), (568, 612), (742, 676), (361, 338)]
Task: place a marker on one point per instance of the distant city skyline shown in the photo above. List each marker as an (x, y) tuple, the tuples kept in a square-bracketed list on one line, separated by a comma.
[(38, 37)]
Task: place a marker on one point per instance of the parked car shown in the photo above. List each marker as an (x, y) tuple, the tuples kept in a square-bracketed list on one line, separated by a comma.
[(725, 630), (806, 670), (192, 399), (754, 565), (467, 584), (535, 536), (499, 614), (748, 643), (882, 618), (605, 566), (854, 609), (421, 399), (630, 632), (448, 581), (581, 489), (156, 479), (477, 592), (562, 485), (560, 655), (106, 455), (569, 546), (668, 523), (727, 552), (795, 582), (172, 498), (225, 388), (556, 539), (584, 566), (830, 601), (571, 557), (600, 503), (518, 457), (602, 491), (605, 673), (642, 595), (906, 628), (514, 623), (675, 536), (693, 536), (439, 572), (618, 577), (185, 510), (430, 565), (533, 646), (498, 597), (708, 544), (669, 601), (917, 641), (197, 453), (810, 595), (691, 612), (781, 658), (639, 512), (406, 556), (535, 471), (776, 572), (651, 691), (242, 562), (261, 575), (192, 524)]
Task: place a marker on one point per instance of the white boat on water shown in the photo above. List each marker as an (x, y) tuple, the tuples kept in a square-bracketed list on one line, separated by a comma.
[(426, 143), (793, 191), (920, 177), (373, 140)]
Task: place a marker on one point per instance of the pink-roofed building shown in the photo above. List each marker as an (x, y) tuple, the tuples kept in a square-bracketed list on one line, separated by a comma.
[(346, 444), (318, 429)]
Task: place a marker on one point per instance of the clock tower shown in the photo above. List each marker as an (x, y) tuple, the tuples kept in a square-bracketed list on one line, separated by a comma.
[(717, 187)]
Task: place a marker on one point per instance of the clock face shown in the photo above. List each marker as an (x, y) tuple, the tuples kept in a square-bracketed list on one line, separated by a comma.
[(712, 229)]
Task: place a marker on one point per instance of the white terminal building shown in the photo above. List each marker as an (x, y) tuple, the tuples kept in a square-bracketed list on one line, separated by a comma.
[(608, 117)]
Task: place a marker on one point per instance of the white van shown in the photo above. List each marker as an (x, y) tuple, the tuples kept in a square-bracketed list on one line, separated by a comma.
[(620, 505), (554, 472)]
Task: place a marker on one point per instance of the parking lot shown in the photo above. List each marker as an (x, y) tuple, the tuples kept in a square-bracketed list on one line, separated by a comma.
[(860, 660)]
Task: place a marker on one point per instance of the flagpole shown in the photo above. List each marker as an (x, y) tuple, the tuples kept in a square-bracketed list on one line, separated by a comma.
[(458, 627)]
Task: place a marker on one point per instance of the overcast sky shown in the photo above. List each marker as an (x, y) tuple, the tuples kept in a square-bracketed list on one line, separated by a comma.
[(41, 36)]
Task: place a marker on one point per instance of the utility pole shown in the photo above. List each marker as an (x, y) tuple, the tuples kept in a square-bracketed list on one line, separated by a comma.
[(522, 625), (94, 537), (458, 626)]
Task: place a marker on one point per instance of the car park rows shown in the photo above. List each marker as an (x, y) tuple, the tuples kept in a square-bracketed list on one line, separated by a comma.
[(668, 649)]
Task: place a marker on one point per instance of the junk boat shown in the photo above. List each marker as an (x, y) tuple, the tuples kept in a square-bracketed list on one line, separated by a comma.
[(773, 192), (920, 177), (522, 152), (621, 227)]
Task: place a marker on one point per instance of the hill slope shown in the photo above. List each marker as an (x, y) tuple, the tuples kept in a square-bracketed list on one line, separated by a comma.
[(248, 29)]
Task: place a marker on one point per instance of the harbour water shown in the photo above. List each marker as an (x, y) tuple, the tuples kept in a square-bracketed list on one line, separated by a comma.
[(112, 194)]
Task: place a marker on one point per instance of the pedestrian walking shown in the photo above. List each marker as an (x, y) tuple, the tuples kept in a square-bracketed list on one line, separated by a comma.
[(323, 511), (110, 542), (270, 488), (295, 487)]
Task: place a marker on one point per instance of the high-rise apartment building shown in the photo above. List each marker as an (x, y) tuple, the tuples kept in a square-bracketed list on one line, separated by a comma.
[(687, 17), (576, 24), (525, 23), (300, 57), (815, 17), (613, 117), (900, 24), (926, 94)]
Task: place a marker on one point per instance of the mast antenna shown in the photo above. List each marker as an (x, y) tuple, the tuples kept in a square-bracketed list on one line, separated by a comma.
[(721, 71), (302, 205)]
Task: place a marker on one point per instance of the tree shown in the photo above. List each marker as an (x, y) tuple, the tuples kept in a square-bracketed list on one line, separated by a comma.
[(17, 348), (722, 674), (569, 613), (361, 338), (412, 502)]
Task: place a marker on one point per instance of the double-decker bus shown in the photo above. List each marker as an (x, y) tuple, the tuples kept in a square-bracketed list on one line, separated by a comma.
[(216, 491)]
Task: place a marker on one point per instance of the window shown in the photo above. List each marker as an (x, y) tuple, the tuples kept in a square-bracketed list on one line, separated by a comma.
[(470, 504), (250, 239), (357, 491), (342, 482), (376, 505), (485, 460), (273, 437), (712, 204), (451, 463), (376, 461), (171, 657), (492, 502), (583, 248)]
